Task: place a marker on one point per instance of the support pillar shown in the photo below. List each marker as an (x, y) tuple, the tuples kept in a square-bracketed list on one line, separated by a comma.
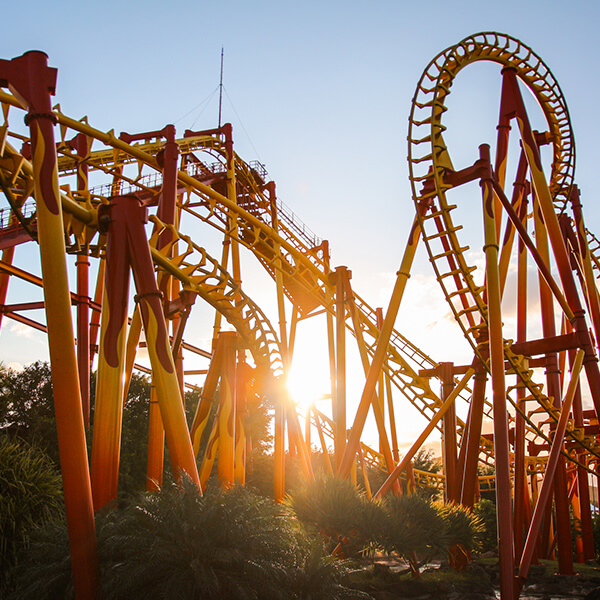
[(33, 82)]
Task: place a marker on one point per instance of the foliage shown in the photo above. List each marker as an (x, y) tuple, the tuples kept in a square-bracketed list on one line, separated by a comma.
[(407, 525), (229, 544), (319, 578), (426, 460), (27, 407), (485, 510), (44, 573), (178, 544), (338, 510), (134, 437), (30, 492), (461, 526), (414, 525), (596, 532)]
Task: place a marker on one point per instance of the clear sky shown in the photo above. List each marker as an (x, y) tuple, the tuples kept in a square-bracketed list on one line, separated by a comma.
[(320, 92)]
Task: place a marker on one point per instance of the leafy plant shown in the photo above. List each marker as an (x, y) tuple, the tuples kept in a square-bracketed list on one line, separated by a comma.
[(320, 577), (30, 493), (414, 525), (485, 510), (178, 544), (461, 526), (339, 511)]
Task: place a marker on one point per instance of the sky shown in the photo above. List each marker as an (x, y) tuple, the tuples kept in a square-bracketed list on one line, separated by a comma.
[(320, 92)]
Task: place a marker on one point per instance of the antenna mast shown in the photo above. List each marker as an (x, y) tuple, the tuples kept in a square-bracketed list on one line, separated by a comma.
[(221, 88)]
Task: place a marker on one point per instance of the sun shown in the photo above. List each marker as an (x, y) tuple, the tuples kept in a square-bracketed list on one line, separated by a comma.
[(308, 383)]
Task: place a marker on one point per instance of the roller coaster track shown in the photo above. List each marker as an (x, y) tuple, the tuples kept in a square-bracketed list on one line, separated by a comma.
[(198, 272), (430, 162), (263, 224)]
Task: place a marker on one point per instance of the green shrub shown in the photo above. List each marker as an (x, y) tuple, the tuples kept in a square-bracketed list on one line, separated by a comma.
[(485, 510), (414, 525), (461, 526), (177, 544), (30, 494), (339, 511)]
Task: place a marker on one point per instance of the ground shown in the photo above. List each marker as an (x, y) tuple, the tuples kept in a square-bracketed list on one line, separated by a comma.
[(389, 580)]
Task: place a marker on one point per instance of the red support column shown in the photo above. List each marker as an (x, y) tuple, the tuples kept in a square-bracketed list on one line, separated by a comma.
[(33, 82), (501, 442), (128, 209), (519, 445), (561, 502), (81, 146), (449, 453), (83, 333), (7, 257), (472, 436)]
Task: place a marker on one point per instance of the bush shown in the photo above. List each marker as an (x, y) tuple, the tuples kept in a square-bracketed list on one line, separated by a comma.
[(30, 494), (485, 510), (339, 511), (178, 544), (461, 526), (414, 525)]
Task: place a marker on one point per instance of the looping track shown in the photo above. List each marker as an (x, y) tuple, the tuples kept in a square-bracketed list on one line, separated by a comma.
[(429, 161)]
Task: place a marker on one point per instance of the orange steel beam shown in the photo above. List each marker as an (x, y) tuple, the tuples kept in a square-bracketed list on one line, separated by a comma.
[(565, 555), (280, 409), (108, 411), (33, 82), (583, 249), (227, 407), (339, 400), (449, 453), (377, 406), (7, 257), (517, 108), (547, 484), (388, 483), (126, 219), (496, 349), (520, 470), (156, 441), (380, 350)]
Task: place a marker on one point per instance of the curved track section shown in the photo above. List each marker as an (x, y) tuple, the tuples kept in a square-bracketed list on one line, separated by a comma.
[(430, 163), (262, 225)]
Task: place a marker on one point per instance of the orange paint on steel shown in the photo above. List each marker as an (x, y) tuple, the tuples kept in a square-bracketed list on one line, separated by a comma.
[(547, 484), (108, 410), (7, 258), (156, 443), (83, 333), (339, 400), (128, 210), (33, 81), (496, 349), (384, 443), (388, 483), (227, 406), (380, 351)]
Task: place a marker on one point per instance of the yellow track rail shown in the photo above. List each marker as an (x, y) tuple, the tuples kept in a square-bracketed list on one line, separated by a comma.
[(429, 160)]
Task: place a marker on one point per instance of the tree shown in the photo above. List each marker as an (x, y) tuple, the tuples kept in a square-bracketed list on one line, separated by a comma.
[(485, 510), (27, 407)]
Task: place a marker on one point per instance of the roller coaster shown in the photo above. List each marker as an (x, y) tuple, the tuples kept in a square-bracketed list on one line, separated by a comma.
[(105, 207)]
